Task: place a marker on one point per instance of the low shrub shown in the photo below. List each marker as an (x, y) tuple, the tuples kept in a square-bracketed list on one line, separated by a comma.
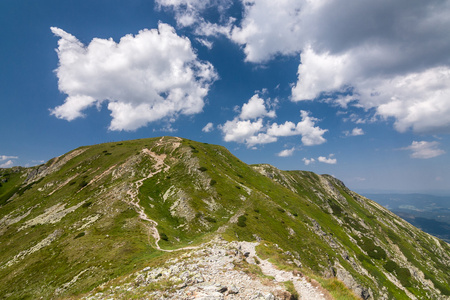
[(210, 219), (241, 221), (79, 235), (390, 266), (83, 184), (163, 236), (87, 204)]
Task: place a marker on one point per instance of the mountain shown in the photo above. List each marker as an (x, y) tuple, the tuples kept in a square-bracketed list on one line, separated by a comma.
[(173, 218), (428, 212)]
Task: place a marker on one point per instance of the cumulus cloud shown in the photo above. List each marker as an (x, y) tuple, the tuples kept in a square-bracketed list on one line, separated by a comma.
[(7, 164), (392, 56), (311, 134), (424, 149), (260, 138), (255, 108), (327, 160), (265, 27), (251, 128), (355, 132), (308, 161), (143, 78), (241, 130), (248, 127), (7, 161), (208, 127), (191, 13), (286, 152), (5, 157)]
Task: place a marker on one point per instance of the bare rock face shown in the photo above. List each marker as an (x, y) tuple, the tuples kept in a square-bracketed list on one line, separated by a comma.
[(180, 207), (344, 276), (52, 166)]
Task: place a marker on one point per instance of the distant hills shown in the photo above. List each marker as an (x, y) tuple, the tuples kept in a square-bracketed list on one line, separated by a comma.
[(427, 212), (148, 218)]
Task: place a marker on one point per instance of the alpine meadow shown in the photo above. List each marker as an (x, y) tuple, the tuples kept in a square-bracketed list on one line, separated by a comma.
[(142, 219)]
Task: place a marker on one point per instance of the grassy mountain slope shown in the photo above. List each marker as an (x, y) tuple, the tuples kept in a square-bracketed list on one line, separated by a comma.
[(99, 212)]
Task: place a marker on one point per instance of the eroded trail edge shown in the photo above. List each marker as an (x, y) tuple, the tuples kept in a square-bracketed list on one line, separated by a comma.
[(304, 288)]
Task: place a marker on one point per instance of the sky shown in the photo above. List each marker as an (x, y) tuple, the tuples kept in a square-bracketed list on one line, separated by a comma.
[(359, 90)]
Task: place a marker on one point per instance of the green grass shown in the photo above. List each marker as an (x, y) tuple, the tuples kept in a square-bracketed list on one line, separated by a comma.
[(291, 289), (214, 186), (336, 288)]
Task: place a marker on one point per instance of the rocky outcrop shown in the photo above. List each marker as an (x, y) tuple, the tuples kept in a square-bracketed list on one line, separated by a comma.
[(344, 276)]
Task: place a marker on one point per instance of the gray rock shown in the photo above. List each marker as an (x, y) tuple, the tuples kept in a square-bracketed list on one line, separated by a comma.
[(269, 296), (233, 290)]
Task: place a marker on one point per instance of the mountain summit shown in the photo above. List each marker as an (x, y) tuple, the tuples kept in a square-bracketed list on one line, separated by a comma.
[(170, 218)]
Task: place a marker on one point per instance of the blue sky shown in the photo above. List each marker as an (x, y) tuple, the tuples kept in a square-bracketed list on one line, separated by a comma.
[(360, 91)]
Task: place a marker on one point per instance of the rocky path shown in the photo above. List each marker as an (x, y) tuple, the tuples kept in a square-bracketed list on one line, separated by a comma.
[(304, 288), (218, 270)]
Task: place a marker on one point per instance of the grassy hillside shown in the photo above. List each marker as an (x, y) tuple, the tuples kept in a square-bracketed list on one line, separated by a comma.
[(100, 212)]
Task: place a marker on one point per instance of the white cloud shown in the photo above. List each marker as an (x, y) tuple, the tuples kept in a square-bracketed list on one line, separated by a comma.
[(5, 157), (286, 152), (355, 132), (424, 149), (208, 127), (393, 56), (308, 161), (311, 135), (261, 138), (6, 161), (255, 108), (418, 100), (147, 77), (265, 27), (190, 13), (7, 164), (319, 73), (327, 160), (241, 131), (249, 126), (206, 43)]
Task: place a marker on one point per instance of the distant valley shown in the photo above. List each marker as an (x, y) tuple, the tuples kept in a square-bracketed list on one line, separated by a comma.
[(427, 212)]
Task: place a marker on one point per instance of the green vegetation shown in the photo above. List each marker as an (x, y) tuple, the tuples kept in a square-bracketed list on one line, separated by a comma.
[(241, 221), (163, 236), (375, 252), (197, 190), (291, 289), (79, 235)]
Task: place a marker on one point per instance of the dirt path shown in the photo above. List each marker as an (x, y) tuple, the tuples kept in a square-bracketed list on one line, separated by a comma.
[(304, 288), (159, 166)]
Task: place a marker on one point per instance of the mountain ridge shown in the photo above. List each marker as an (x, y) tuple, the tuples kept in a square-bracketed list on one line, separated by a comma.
[(103, 211)]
